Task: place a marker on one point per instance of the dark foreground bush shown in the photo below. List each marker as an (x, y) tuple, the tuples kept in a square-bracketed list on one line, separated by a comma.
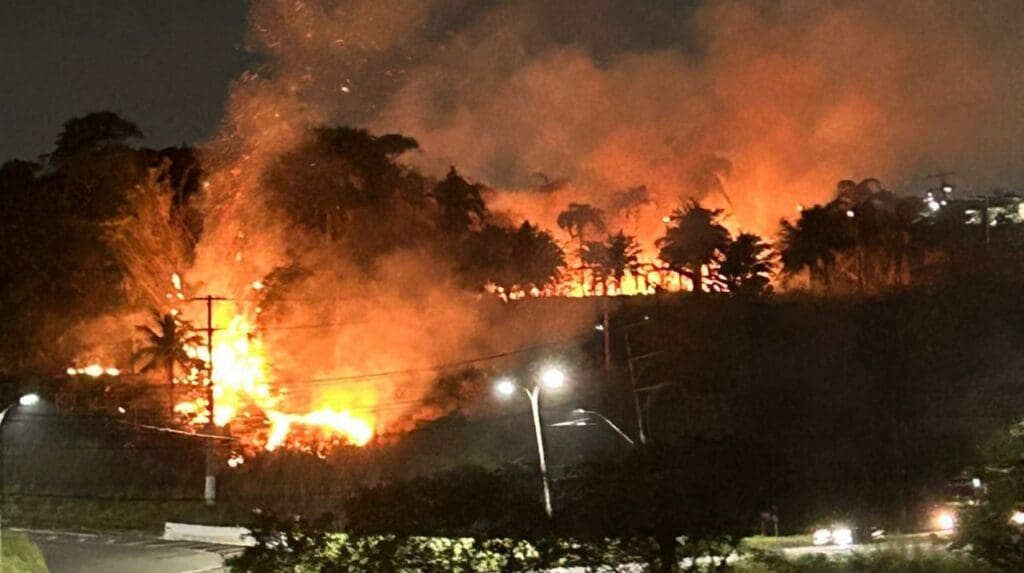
[(303, 546)]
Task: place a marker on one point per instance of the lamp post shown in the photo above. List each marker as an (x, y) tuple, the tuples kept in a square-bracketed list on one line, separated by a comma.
[(611, 424), (25, 400), (552, 379)]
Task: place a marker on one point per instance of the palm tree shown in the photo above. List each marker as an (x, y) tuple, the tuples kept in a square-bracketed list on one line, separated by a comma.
[(812, 243), (535, 255), (747, 266), (595, 255), (577, 218), (165, 348), (460, 203), (612, 257), (695, 239)]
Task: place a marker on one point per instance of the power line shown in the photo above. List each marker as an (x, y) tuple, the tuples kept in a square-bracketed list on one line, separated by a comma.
[(300, 382), (434, 368), (310, 326)]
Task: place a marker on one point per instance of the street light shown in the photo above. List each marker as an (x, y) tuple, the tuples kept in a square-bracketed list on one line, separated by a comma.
[(25, 400), (506, 387), (552, 379), (29, 400), (612, 425)]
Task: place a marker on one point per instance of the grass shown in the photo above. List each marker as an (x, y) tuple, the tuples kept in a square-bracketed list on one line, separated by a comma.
[(769, 543), (113, 514), (100, 515), (20, 555), (906, 560)]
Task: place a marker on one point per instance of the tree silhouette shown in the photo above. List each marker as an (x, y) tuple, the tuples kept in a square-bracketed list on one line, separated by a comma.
[(165, 348), (521, 257), (694, 239), (346, 182), (460, 203), (578, 218), (613, 257), (813, 242), (747, 266), (881, 228), (92, 132)]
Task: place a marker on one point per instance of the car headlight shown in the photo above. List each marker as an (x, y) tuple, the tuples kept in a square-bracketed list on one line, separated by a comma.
[(822, 536), (842, 536), (944, 520)]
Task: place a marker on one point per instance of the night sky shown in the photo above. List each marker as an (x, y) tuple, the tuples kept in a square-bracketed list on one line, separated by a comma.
[(165, 65)]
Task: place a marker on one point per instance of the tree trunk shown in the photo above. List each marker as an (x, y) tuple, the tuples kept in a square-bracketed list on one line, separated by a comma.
[(170, 389), (667, 560), (694, 274)]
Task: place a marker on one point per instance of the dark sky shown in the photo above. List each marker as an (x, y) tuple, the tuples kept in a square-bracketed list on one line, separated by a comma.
[(166, 65)]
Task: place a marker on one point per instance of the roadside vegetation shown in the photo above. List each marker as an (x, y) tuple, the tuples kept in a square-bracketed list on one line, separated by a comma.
[(20, 555)]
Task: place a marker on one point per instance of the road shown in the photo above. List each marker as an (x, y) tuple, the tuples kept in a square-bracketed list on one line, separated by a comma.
[(102, 553)]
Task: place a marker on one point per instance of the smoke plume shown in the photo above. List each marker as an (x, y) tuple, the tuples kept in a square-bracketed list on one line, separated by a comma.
[(752, 106)]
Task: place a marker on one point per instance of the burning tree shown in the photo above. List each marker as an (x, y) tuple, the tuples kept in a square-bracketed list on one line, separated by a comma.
[(167, 345)]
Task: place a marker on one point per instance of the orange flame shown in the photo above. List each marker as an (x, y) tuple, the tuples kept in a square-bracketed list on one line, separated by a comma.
[(241, 381)]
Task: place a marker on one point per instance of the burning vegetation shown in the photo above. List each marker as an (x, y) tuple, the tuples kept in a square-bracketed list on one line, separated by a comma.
[(347, 269)]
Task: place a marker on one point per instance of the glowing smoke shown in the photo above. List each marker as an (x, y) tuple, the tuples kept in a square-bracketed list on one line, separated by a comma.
[(791, 95), (630, 106)]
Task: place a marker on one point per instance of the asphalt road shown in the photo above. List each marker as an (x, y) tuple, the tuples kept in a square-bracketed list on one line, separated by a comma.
[(89, 553)]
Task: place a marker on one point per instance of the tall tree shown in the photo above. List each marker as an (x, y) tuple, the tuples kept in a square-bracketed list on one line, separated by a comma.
[(812, 243), (460, 202), (164, 348), (577, 219), (92, 132), (747, 266), (694, 239), (347, 184), (522, 257), (613, 257)]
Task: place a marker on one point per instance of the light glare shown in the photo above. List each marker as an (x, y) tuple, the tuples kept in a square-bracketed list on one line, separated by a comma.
[(842, 536), (553, 378), (945, 520), (29, 400), (505, 387)]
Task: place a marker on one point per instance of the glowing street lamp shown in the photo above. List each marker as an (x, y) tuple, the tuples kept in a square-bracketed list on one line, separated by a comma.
[(505, 387), (28, 400), (551, 379)]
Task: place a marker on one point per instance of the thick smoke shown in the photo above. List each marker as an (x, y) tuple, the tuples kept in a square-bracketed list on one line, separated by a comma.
[(766, 103), (753, 107)]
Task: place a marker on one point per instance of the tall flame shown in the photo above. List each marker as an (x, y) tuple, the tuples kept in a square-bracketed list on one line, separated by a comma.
[(242, 381)]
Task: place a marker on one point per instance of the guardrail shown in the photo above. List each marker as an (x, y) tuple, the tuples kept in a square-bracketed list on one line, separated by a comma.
[(239, 536)]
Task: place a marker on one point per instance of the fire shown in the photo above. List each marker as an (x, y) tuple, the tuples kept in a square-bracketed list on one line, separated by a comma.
[(645, 278), (242, 381), (94, 370)]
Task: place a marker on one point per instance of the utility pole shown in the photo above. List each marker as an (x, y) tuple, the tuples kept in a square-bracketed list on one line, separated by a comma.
[(641, 422), (607, 331), (210, 483)]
